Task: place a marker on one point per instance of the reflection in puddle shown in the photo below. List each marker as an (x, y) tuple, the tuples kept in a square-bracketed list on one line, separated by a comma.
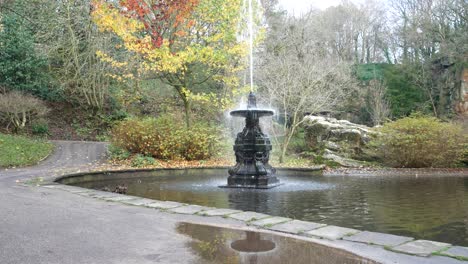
[(253, 243), (224, 245)]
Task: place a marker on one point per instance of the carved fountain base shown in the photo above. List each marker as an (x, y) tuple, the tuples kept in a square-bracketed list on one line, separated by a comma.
[(252, 149)]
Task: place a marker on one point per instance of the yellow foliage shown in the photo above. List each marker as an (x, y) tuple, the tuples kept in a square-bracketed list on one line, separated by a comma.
[(214, 45), (209, 39)]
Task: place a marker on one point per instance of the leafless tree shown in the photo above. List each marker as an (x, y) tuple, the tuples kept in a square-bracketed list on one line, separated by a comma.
[(378, 105), (432, 39), (353, 33), (18, 109), (299, 79), (83, 77)]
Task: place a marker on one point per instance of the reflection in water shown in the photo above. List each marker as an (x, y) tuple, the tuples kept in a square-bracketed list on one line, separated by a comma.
[(224, 245), (252, 243), (433, 208)]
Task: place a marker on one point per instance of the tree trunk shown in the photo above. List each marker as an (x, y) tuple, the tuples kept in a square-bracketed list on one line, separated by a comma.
[(405, 41), (282, 154), (289, 133), (187, 112), (186, 102), (284, 146)]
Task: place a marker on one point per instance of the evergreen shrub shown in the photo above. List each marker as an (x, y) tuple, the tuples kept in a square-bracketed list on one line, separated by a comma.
[(421, 141)]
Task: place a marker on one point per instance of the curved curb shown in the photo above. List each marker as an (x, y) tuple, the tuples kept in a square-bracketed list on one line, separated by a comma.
[(52, 151), (108, 172), (425, 250)]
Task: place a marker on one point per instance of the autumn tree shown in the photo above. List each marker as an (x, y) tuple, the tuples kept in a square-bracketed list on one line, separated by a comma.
[(183, 43)]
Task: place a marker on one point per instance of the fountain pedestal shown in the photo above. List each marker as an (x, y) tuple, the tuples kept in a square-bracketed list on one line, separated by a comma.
[(252, 149)]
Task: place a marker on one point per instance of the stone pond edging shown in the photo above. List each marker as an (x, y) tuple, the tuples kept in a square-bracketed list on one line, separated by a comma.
[(393, 243)]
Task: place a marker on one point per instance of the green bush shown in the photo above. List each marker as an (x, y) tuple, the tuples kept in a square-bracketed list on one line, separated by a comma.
[(40, 128), (22, 67), (165, 138), (464, 161), (117, 153), (421, 141), (403, 95), (141, 161)]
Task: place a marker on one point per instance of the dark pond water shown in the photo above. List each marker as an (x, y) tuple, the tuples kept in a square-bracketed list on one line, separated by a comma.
[(434, 208), (223, 245)]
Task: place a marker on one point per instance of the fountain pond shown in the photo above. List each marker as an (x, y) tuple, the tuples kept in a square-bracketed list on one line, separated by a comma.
[(424, 207)]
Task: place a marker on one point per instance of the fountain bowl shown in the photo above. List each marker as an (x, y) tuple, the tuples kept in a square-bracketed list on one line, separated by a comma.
[(258, 112)]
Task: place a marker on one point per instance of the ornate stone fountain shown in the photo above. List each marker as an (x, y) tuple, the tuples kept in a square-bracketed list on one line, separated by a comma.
[(252, 149)]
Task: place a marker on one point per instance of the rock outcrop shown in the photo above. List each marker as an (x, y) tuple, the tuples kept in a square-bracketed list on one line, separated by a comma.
[(339, 141)]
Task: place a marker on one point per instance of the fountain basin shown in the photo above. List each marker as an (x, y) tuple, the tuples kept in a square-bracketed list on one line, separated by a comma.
[(429, 207)]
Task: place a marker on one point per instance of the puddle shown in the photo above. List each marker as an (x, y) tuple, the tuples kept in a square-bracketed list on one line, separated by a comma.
[(228, 246), (252, 243)]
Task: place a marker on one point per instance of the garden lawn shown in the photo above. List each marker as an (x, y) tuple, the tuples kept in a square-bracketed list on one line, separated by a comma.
[(20, 151)]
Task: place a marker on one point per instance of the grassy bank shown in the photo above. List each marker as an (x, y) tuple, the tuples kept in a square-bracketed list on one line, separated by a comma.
[(21, 151)]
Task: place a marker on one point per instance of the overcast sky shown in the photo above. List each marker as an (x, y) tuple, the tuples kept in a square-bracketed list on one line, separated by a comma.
[(299, 6)]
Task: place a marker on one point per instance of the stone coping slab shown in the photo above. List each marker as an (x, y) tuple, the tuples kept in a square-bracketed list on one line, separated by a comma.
[(295, 226), (50, 186), (92, 193), (164, 204), (138, 202), (105, 195), (270, 221), (378, 238), (332, 232), (189, 209), (457, 251), (248, 216), (421, 247), (220, 212), (71, 189), (119, 198)]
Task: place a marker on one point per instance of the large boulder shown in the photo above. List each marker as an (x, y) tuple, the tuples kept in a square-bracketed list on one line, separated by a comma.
[(340, 141)]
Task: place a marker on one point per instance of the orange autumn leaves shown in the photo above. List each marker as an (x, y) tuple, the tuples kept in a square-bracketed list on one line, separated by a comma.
[(182, 42), (163, 18), (170, 34)]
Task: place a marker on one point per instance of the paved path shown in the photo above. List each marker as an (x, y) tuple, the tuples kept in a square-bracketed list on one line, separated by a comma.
[(68, 155), (49, 225), (38, 225)]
